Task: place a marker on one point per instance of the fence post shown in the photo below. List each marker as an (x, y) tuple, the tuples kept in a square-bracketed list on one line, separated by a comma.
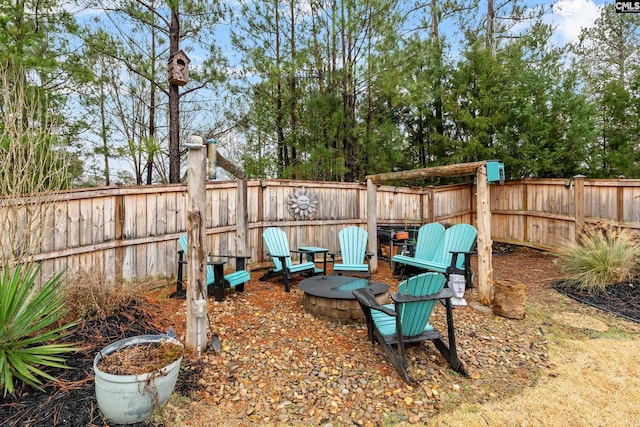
[(242, 218), (372, 224), (196, 337), (578, 201), (484, 243)]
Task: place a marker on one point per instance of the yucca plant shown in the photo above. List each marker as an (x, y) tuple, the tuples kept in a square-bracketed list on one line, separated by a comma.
[(602, 257), (29, 327)]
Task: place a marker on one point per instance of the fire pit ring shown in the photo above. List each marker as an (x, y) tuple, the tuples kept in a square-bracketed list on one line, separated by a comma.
[(331, 298)]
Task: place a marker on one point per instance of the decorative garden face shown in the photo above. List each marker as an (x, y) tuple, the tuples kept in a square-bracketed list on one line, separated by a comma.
[(302, 204)]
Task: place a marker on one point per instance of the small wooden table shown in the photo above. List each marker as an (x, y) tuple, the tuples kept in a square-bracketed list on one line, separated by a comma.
[(310, 253)]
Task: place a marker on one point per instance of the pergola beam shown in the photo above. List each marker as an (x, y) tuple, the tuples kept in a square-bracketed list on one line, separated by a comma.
[(483, 212), (459, 169)]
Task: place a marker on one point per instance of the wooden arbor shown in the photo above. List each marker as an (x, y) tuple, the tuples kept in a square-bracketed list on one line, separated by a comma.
[(483, 215)]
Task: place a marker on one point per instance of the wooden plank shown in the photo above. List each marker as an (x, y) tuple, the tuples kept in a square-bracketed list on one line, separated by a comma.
[(73, 223), (433, 172), (372, 224)]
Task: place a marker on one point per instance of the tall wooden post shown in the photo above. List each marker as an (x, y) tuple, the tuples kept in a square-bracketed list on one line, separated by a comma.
[(196, 338), (372, 224), (242, 217), (484, 243), (578, 201)]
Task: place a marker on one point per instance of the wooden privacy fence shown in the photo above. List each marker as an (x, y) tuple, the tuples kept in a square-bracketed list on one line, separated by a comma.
[(132, 232)]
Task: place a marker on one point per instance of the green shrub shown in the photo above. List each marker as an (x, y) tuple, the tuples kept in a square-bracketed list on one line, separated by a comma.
[(601, 257), (30, 317)]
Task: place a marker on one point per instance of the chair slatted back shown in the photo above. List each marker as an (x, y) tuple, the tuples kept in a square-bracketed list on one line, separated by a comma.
[(415, 315), (430, 241), (353, 244), (277, 243), (459, 238)]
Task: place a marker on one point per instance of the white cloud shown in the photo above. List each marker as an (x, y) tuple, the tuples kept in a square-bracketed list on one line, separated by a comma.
[(571, 16)]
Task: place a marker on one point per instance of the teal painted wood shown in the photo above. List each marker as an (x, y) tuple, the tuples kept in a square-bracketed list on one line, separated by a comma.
[(278, 249), (236, 278), (353, 250), (278, 246), (430, 241), (353, 245), (414, 316), (457, 238)]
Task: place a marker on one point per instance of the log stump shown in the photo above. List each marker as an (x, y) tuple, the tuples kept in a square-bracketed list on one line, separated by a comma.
[(509, 299)]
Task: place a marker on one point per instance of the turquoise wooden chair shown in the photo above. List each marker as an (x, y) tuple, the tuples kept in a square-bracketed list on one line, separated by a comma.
[(453, 255), (428, 244), (217, 281), (278, 249), (353, 251), (407, 320)]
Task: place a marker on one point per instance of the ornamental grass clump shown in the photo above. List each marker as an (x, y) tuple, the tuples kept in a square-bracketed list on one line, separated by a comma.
[(30, 327), (602, 257)]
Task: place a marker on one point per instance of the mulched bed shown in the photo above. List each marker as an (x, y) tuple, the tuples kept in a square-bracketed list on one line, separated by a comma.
[(72, 402), (622, 299)]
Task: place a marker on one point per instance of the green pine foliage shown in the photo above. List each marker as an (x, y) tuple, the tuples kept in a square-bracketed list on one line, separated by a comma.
[(30, 327), (602, 257)]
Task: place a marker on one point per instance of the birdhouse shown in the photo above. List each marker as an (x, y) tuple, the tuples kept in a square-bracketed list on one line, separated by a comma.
[(179, 68)]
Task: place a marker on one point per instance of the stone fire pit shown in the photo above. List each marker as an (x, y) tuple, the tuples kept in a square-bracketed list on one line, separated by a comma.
[(331, 298)]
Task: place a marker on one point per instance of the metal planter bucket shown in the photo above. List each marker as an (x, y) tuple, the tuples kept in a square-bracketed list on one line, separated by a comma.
[(128, 399)]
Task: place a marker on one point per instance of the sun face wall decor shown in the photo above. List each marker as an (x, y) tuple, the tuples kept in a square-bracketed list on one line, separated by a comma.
[(302, 204)]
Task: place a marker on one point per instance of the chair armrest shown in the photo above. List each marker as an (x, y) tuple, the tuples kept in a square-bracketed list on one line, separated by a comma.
[(367, 299), (402, 298), (278, 255), (230, 256), (240, 259)]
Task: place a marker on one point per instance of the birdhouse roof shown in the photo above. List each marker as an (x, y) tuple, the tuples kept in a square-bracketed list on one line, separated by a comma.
[(180, 54)]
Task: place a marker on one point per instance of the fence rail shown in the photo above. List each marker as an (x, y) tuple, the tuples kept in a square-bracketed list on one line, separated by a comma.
[(131, 232)]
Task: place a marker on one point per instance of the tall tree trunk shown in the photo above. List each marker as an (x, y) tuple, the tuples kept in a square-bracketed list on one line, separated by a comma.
[(152, 114), (103, 133), (491, 17), (174, 100), (283, 155), (292, 88)]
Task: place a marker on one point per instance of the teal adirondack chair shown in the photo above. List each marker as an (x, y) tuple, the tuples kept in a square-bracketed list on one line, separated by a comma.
[(353, 250), (278, 249), (407, 320), (217, 281), (454, 254), (428, 244)]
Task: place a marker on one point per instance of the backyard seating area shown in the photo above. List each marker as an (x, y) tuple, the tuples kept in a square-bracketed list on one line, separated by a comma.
[(281, 365)]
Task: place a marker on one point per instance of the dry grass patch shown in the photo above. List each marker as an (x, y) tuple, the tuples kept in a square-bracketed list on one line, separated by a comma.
[(90, 295), (589, 387)]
